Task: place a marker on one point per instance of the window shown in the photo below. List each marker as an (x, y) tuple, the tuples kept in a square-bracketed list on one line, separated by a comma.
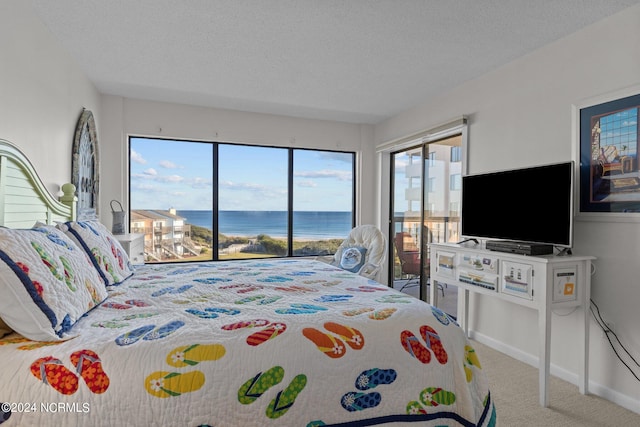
[(620, 130), (323, 199), (432, 158), (455, 182), (252, 201), (165, 176), (212, 201), (456, 153)]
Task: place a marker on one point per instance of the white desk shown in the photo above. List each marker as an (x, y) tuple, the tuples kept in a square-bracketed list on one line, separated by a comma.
[(537, 282)]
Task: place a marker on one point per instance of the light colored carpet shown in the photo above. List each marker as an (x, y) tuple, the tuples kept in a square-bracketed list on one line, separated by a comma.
[(514, 389)]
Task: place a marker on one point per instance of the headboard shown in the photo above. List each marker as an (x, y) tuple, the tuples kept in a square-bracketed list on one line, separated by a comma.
[(24, 199)]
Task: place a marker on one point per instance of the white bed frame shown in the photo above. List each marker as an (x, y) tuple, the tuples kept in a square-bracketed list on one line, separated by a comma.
[(24, 199)]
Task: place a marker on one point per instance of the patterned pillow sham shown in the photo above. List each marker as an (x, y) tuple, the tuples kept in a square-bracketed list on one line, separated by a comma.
[(106, 253), (47, 283), (353, 258)]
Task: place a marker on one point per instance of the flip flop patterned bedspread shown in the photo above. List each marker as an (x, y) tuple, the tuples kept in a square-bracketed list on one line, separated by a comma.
[(249, 343)]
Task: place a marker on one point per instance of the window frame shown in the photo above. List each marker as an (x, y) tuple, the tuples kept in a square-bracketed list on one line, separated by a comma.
[(216, 184)]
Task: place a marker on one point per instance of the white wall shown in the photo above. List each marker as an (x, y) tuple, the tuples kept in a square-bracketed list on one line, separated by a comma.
[(521, 115), (123, 116), (42, 93)]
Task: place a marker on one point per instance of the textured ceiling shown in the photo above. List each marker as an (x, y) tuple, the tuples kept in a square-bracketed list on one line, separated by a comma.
[(356, 61)]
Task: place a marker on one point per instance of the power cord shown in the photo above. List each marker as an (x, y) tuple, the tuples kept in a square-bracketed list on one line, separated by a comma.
[(607, 332)]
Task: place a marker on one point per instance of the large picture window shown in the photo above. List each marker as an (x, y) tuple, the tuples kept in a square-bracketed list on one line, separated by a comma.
[(198, 201)]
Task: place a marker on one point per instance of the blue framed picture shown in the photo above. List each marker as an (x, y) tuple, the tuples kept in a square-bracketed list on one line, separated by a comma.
[(609, 172)]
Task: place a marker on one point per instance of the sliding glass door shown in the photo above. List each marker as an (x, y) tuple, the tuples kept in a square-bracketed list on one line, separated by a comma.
[(425, 200), (405, 233)]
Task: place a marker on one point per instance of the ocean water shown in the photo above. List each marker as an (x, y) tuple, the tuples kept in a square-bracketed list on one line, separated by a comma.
[(306, 225)]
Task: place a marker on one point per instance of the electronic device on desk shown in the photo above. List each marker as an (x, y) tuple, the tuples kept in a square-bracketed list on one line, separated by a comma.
[(521, 248), (531, 206)]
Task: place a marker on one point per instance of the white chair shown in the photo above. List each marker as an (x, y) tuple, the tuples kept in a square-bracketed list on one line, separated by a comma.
[(350, 256)]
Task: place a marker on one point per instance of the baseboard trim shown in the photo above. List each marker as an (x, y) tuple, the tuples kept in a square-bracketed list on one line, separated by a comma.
[(596, 389)]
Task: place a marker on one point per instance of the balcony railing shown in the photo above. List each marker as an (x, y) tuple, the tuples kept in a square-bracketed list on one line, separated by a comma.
[(186, 229)]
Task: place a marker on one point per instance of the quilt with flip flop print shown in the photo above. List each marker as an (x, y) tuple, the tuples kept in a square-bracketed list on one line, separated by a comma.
[(251, 343)]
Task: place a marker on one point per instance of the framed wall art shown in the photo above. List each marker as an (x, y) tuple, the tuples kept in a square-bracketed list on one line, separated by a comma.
[(85, 165), (609, 173)]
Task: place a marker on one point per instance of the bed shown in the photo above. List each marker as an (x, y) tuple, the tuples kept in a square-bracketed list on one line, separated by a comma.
[(267, 342)]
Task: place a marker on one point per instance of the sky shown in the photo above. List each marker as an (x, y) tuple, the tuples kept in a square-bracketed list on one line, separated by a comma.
[(620, 129), (179, 174)]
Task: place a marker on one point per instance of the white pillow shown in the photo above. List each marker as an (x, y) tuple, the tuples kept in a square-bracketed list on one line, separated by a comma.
[(106, 253), (47, 283)]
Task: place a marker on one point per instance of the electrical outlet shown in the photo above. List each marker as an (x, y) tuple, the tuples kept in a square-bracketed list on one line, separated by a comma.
[(564, 284)]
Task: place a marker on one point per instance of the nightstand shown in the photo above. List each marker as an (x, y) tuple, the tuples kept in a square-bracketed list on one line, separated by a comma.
[(133, 244)]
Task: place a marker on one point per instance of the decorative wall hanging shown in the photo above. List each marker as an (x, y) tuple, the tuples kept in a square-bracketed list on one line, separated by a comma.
[(609, 178), (85, 165)]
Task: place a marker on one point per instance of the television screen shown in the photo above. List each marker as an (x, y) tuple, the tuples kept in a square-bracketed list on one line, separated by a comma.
[(533, 205)]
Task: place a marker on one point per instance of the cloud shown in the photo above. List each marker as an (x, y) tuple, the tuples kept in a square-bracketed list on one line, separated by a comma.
[(327, 173), (137, 157), (257, 191), (171, 178), (200, 182), (244, 186), (151, 175), (168, 164), (144, 186), (307, 184), (334, 155)]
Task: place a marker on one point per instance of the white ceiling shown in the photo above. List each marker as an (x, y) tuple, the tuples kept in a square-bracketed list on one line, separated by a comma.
[(356, 61)]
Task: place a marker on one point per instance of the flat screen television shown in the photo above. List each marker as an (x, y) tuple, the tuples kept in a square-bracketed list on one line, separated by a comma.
[(533, 205)]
